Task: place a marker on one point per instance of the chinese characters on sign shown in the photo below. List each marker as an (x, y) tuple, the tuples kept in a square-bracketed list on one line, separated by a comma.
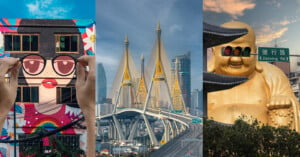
[(271, 54)]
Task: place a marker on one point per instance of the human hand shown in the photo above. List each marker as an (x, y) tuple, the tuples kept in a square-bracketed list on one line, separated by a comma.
[(8, 89), (85, 93), (279, 102), (85, 84)]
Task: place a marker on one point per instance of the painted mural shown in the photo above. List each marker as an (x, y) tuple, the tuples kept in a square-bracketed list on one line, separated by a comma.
[(42, 71)]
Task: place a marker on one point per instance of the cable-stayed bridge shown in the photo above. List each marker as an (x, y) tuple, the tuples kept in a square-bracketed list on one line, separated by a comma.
[(150, 96)]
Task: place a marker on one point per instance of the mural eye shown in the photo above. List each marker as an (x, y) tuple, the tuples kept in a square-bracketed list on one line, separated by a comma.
[(63, 65), (33, 64)]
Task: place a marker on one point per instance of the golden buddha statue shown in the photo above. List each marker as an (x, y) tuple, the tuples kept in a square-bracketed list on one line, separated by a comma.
[(266, 95)]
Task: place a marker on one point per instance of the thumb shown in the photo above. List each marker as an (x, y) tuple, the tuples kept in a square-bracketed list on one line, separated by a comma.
[(80, 72), (15, 74)]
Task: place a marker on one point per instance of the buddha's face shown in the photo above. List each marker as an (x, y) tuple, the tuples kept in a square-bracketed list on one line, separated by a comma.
[(234, 58)]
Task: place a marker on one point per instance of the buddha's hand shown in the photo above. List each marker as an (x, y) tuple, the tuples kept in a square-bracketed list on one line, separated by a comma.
[(280, 112), (8, 86), (279, 102)]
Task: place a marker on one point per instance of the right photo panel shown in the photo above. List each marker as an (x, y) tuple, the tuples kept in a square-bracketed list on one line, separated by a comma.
[(251, 78), (149, 78)]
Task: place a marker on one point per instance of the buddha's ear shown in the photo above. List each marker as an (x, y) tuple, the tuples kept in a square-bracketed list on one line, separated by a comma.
[(258, 67), (211, 61)]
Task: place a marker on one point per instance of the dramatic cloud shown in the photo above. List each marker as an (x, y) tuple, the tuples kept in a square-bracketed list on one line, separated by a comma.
[(267, 34), (48, 9), (288, 21), (234, 8)]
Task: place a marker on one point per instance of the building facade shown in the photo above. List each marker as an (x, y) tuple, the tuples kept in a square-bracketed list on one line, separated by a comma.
[(46, 95), (101, 84), (196, 102)]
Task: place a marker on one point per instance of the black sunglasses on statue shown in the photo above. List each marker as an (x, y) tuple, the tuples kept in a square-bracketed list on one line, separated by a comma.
[(34, 64), (236, 51)]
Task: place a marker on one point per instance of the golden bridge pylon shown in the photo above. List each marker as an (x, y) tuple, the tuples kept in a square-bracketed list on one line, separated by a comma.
[(141, 92), (158, 96), (125, 96), (177, 98)]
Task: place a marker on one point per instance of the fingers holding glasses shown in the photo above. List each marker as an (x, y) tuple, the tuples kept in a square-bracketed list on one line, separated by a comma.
[(81, 75), (14, 75), (7, 64), (90, 62)]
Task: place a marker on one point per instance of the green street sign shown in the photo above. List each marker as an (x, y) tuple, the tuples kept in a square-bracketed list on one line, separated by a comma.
[(271, 54)]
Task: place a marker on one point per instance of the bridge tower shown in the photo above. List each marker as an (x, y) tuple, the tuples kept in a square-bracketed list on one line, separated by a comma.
[(177, 98), (126, 93), (141, 92), (158, 96)]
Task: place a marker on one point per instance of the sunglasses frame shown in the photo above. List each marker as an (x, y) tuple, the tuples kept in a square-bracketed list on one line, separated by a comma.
[(75, 62), (234, 48), (45, 62)]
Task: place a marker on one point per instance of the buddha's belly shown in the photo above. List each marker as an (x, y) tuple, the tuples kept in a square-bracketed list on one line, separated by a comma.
[(228, 113)]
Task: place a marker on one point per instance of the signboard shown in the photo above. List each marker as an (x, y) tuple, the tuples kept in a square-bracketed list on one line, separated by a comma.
[(271, 54)]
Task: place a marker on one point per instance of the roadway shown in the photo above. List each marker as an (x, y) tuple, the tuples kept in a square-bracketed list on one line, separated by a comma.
[(187, 143)]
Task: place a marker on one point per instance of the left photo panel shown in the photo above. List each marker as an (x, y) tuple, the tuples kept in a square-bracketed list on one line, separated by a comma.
[(47, 78)]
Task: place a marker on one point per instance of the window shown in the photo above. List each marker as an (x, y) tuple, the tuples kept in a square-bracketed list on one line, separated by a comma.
[(36, 143), (66, 95), (27, 94), (70, 141), (21, 42), (66, 43)]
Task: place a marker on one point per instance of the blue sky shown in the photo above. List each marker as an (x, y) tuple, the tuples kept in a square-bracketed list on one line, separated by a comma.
[(50, 9), (274, 21), (181, 24)]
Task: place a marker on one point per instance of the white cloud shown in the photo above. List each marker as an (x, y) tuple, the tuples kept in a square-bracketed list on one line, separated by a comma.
[(107, 60), (174, 28), (47, 9), (268, 34), (234, 8), (289, 20)]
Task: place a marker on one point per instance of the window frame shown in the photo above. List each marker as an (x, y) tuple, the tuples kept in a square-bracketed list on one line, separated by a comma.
[(59, 95), (21, 35), (57, 43), (22, 94)]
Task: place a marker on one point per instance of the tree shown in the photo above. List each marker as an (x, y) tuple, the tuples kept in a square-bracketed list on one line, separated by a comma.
[(249, 138)]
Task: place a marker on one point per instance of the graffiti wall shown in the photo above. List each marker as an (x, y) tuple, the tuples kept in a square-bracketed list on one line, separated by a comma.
[(46, 94)]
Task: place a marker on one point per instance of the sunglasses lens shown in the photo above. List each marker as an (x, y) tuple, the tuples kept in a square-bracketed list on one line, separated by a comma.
[(247, 51), (33, 64), (227, 51), (237, 51), (64, 65)]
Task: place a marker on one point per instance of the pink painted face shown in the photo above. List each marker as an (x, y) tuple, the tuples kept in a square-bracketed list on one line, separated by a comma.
[(48, 73)]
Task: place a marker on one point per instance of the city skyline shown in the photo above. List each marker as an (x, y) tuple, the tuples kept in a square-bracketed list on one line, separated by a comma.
[(138, 20)]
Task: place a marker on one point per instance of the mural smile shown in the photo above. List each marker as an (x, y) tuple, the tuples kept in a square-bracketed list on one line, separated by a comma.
[(49, 83)]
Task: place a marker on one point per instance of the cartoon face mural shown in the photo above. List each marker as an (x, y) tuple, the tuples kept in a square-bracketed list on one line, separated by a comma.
[(54, 64), (48, 74), (50, 67)]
